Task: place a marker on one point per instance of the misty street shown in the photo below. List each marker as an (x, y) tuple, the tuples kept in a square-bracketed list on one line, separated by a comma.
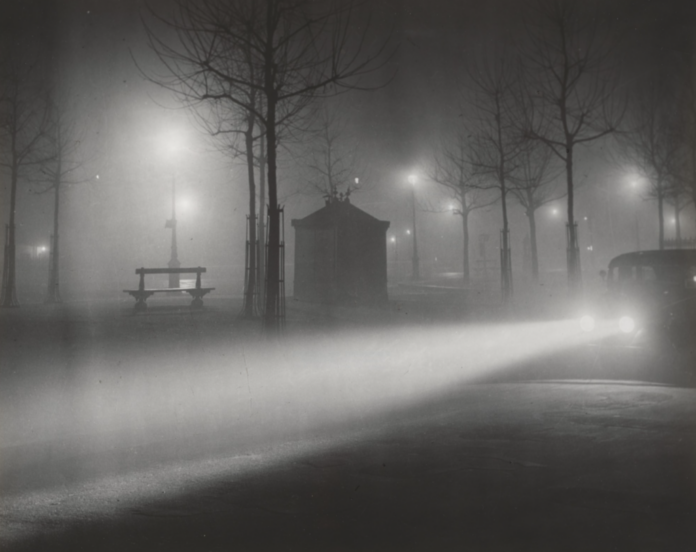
[(348, 275), (366, 429)]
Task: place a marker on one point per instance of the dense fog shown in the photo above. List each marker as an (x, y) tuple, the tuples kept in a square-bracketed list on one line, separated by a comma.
[(425, 352), (113, 216)]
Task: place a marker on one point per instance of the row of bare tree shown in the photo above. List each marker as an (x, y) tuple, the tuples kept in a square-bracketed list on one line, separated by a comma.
[(660, 142), (254, 71), (39, 145), (525, 108)]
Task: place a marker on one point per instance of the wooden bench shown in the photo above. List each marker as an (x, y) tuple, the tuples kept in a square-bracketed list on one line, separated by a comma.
[(141, 294)]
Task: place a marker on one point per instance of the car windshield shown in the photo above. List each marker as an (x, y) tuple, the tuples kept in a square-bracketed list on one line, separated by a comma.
[(651, 274)]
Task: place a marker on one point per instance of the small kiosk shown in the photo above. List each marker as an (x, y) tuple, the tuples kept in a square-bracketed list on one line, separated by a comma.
[(340, 255)]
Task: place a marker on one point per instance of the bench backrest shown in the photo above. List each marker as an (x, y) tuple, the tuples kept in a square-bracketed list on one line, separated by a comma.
[(142, 271), (197, 270)]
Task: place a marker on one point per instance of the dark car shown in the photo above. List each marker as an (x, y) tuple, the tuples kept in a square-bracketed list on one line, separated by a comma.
[(649, 291)]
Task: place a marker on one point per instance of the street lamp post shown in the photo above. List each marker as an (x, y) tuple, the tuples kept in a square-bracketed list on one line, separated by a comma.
[(634, 186), (173, 145), (415, 269), (590, 247), (174, 257)]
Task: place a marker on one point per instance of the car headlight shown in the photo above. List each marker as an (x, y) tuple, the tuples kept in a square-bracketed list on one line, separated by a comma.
[(587, 323), (627, 324)]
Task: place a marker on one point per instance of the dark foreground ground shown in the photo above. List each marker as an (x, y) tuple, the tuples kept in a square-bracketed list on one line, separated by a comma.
[(410, 428)]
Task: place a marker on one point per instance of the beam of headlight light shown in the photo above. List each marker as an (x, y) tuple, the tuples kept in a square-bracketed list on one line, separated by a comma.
[(286, 391)]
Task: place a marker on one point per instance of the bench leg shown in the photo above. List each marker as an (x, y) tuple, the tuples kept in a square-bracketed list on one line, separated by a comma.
[(197, 296), (140, 305)]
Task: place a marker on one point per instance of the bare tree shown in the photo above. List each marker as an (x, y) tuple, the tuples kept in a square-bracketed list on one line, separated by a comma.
[(203, 41), (59, 169), (533, 186), (495, 142), (679, 198), (23, 123), (333, 156), (572, 91), (652, 142), (452, 170), (679, 192), (289, 52), (687, 106), (228, 125)]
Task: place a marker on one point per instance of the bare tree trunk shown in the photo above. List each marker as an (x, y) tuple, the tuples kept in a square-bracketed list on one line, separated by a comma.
[(53, 292), (466, 269), (533, 245), (261, 276), (9, 284), (250, 291), (660, 216), (415, 260), (272, 314), (505, 268), (574, 270)]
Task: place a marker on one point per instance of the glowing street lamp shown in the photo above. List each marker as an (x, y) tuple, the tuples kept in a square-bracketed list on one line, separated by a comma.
[(415, 272), (174, 254), (590, 247), (185, 205), (634, 186), (392, 240), (172, 145)]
